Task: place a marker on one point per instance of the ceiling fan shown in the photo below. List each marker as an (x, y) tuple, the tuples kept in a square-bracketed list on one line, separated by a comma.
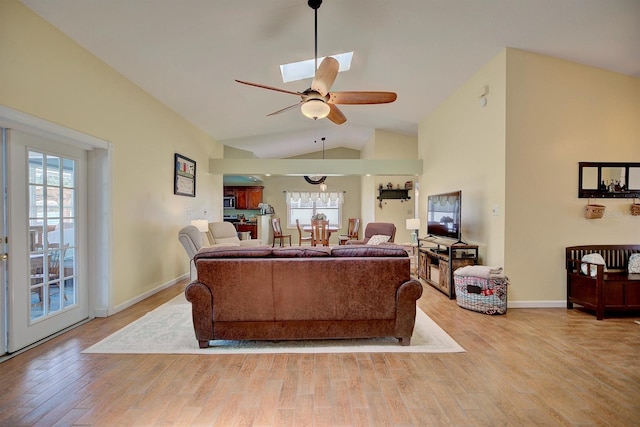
[(317, 102)]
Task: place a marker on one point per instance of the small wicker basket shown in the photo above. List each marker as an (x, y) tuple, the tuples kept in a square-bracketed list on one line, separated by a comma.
[(635, 208), (594, 211)]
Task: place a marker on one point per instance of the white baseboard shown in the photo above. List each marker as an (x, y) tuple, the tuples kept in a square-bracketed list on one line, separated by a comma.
[(537, 304), (147, 294)]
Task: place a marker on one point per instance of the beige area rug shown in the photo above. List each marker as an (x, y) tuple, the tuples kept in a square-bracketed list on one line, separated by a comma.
[(168, 330)]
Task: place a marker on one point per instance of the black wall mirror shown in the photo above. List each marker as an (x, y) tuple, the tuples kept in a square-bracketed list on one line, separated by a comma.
[(608, 180)]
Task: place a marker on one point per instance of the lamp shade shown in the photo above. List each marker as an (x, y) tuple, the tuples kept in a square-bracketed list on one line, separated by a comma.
[(413, 223), (315, 109), (201, 224)]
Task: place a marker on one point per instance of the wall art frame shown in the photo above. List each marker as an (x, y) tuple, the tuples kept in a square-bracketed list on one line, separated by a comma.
[(184, 176)]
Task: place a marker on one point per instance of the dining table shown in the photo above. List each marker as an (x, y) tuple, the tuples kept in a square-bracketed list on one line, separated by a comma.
[(330, 229)]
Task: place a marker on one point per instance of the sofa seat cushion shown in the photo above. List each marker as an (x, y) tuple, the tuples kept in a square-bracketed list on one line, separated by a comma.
[(369, 251)]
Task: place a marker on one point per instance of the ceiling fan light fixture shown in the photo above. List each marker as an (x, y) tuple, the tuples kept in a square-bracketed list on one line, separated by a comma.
[(315, 109)]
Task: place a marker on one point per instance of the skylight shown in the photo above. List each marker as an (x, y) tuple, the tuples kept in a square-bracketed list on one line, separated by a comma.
[(304, 69)]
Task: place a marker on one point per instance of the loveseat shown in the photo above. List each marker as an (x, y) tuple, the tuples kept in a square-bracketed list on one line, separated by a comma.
[(296, 293), (605, 285)]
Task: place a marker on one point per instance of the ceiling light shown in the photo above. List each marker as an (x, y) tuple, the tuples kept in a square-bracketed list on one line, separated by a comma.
[(315, 109), (305, 69)]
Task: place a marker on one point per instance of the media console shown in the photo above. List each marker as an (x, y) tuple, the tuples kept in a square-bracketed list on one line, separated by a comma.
[(437, 261)]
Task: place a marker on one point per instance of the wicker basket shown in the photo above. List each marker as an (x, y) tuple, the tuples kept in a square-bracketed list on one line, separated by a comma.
[(635, 208), (594, 211), (488, 296)]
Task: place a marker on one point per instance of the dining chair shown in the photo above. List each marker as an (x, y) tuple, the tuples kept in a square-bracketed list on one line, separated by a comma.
[(277, 233), (53, 277), (300, 236), (352, 231), (319, 233)]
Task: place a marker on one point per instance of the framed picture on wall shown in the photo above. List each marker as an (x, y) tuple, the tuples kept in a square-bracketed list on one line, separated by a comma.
[(184, 176)]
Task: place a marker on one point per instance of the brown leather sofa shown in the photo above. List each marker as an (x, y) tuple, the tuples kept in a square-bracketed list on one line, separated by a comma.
[(297, 293)]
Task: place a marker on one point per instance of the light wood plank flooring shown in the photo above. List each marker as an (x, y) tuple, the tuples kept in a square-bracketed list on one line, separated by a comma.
[(530, 367)]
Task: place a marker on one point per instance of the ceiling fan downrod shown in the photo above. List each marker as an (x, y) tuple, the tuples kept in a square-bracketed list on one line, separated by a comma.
[(315, 4)]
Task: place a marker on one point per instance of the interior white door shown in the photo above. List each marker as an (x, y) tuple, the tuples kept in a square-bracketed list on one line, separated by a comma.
[(3, 245), (47, 285)]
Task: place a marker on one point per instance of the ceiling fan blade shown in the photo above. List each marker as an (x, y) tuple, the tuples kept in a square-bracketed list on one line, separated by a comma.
[(335, 115), (285, 109), (269, 87), (325, 75), (362, 97)]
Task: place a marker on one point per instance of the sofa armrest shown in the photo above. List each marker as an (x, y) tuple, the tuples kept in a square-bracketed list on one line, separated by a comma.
[(406, 296), (199, 295)]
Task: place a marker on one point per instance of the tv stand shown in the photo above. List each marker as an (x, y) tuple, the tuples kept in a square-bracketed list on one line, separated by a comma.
[(438, 260)]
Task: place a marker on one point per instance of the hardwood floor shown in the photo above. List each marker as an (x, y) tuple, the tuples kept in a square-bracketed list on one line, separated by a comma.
[(529, 367)]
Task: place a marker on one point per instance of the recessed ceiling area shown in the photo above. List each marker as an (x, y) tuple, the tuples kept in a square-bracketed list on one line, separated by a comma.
[(188, 53)]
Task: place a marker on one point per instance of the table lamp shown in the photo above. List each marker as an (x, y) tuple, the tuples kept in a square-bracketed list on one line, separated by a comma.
[(413, 224)]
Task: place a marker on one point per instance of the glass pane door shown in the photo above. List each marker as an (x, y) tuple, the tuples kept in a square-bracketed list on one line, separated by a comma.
[(52, 231), (47, 284)]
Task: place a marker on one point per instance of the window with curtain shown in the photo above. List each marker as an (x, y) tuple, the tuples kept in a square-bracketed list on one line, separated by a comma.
[(302, 205)]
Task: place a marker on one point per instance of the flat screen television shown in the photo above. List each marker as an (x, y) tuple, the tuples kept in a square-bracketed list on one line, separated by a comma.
[(444, 215)]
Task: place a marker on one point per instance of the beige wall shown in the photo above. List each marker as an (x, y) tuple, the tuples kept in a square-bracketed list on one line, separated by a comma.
[(520, 154), (46, 75), (390, 146), (462, 147), (561, 113)]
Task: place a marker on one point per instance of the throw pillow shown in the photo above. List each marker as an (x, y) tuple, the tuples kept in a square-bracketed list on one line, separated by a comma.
[(593, 259), (634, 263), (376, 239)]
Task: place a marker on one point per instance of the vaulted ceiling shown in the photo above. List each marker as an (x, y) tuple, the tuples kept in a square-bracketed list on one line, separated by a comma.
[(188, 53)]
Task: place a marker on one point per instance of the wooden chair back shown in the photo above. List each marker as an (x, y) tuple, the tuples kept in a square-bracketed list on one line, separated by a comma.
[(319, 233), (354, 228), (277, 228), (277, 232), (300, 236)]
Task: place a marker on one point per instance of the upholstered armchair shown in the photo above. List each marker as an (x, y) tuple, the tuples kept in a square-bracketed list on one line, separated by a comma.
[(225, 234), (374, 228), (191, 239)]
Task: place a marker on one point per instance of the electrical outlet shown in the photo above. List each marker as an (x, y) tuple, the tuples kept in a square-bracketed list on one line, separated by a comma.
[(206, 212), (188, 211), (495, 211)]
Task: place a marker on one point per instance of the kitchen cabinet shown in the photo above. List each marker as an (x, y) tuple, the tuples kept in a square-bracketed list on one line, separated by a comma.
[(251, 227), (247, 197)]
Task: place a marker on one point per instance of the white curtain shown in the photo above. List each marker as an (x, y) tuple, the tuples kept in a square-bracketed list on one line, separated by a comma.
[(314, 196)]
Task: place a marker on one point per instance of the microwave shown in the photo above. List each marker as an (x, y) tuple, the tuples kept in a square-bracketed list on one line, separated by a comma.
[(229, 202)]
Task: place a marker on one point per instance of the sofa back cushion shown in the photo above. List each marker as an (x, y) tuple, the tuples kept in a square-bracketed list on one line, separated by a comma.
[(301, 252), (233, 252), (369, 251)]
